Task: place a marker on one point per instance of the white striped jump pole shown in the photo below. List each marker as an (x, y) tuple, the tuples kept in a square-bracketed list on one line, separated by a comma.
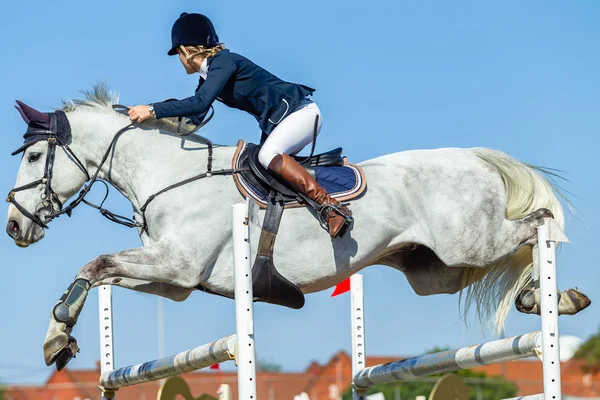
[(451, 360), (238, 347), (186, 361)]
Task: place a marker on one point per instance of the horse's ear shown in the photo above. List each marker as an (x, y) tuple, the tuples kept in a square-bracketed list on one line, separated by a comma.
[(33, 115), (22, 115)]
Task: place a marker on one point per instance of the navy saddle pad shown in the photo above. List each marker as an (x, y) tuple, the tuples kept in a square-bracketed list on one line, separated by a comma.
[(341, 180)]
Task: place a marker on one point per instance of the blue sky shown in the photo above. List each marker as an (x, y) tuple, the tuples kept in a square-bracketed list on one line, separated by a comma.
[(516, 76)]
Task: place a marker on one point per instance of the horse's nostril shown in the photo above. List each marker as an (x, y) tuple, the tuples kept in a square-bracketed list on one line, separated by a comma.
[(13, 228)]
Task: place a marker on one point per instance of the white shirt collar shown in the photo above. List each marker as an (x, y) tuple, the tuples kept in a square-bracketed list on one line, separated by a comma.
[(204, 69)]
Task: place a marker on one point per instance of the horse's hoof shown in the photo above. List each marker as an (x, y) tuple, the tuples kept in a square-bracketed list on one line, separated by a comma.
[(527, 302), (67, 354), (572, 301), (60, 350)]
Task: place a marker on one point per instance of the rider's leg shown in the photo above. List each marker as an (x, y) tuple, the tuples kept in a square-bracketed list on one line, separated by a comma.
[(292, 134), (289, 137)]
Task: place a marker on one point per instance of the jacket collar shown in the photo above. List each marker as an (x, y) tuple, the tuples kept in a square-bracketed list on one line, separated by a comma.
[(204, 69), (206, 63)]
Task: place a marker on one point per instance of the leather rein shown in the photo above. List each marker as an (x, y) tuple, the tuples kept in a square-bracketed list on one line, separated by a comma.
[(49, 198)]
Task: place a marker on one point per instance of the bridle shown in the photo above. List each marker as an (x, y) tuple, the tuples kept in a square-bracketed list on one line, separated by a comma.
[(49, 198)]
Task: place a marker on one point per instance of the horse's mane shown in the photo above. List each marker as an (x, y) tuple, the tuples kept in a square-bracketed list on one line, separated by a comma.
[(101, 98)]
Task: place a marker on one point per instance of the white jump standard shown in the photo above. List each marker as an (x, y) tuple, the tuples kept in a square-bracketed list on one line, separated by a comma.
[(239, 347), (544, 341)]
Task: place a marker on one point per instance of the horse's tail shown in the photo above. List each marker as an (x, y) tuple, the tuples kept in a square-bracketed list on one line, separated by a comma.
[(527, 190)]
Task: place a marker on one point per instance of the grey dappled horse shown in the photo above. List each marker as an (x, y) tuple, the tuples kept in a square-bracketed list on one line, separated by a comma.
[(449, 219)]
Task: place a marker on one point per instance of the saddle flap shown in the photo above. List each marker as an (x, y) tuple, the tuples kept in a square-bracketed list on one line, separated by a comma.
[(263, 175)]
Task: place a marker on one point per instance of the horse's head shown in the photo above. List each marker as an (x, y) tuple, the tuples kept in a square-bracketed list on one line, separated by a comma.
[(49, 175)]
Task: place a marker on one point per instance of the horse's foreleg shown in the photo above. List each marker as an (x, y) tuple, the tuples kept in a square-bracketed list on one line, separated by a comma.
[(59, 346), (145, 266), (162, 289)]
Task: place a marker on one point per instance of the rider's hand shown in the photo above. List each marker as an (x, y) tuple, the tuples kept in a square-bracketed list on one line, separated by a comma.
[(139, 113)]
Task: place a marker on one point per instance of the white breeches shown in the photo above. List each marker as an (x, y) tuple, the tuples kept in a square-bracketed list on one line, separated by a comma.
[(292, 134)]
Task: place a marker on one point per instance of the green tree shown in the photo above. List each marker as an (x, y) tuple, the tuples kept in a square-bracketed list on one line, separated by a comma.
[(490, 388), (263, 365), (590, 352)]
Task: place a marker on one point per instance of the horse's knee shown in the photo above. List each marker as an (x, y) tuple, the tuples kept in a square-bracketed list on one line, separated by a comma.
[(97, 268), (542, 213), (537, 217), (527, 226)]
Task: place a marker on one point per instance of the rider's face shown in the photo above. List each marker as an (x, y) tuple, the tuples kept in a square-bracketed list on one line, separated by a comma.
[(189, 65)]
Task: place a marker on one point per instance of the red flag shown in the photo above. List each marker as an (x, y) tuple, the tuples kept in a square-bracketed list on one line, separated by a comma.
[(218, 368), (342, 287)]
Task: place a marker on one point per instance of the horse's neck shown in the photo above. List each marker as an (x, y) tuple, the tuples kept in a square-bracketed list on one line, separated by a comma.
[(143, 161)]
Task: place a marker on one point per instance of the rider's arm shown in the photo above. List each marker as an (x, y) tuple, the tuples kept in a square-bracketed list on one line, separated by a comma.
[(220, 71)]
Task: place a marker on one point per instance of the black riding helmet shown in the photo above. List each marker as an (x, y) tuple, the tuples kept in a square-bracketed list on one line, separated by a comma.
[(192, 30)]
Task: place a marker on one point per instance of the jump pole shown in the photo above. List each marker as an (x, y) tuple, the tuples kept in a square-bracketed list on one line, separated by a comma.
[(238, 347), (544, 341)]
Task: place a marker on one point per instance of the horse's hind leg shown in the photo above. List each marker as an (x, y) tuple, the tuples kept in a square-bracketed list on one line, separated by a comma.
[(484, 242), (524, 233), (464, 257), (570, 302)]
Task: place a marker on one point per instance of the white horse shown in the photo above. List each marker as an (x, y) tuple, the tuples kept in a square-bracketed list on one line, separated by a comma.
[(449, 219)]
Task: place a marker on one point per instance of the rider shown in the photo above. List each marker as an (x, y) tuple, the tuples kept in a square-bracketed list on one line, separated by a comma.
[(284, 111)]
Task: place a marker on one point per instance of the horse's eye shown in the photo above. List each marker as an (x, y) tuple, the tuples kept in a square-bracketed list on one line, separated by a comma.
[(33, 157)]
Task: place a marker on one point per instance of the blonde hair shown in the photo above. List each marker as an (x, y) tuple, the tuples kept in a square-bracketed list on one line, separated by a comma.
[(200, 51)]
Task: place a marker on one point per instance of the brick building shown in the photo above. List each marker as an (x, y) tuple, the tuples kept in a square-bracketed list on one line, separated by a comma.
[(320, 382)]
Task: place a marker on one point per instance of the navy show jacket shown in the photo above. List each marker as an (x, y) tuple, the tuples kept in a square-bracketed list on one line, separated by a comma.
[(239, 83)]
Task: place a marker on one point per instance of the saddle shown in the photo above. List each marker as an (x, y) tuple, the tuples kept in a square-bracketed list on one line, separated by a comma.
[(342, 181), (331, 170)]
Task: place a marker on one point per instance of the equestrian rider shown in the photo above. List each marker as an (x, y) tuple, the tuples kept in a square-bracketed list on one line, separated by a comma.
[(284, 111)]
